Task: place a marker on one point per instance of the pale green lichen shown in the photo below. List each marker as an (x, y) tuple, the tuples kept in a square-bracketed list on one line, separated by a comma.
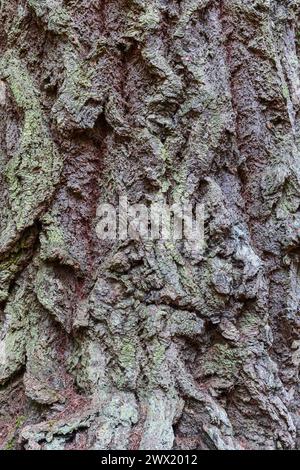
[(12, 442), (53, 13), (148, 19), (126, 366), (15, 28), (42, 362), (13, 346), (11, 264), (53, 243), (71, 108), (127, 355), (221, 361), (285, 91), (34, 170)]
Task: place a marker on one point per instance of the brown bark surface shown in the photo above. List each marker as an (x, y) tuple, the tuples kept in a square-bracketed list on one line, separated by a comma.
[(134, 345)]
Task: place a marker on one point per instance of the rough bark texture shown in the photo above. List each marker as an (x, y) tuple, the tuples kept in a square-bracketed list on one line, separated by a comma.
[(142, 345)]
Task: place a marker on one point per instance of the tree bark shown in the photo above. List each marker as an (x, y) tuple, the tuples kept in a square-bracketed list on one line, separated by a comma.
[(142, 345)]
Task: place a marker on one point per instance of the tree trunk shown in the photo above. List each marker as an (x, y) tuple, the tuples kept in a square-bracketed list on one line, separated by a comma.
[(142, 344)]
